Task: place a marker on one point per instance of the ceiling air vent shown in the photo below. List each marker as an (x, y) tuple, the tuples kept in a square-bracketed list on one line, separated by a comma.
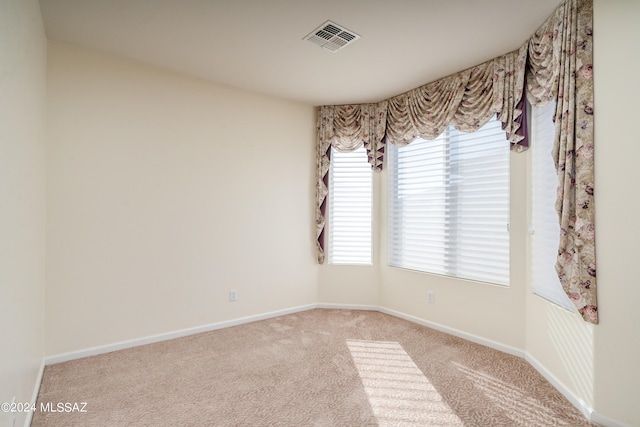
[(332, 36)]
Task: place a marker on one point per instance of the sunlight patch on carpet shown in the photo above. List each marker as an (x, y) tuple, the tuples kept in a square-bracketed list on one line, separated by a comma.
[(398, 391), (518, 405)]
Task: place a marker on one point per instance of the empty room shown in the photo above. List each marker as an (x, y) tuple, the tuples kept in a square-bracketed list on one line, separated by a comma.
[(337, 213)]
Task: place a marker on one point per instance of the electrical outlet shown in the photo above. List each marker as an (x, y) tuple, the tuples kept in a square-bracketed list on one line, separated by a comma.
[(431, 297), (233, 295)]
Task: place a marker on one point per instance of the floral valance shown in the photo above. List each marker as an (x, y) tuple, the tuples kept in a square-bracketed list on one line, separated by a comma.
[(555, 64), (466, 100)]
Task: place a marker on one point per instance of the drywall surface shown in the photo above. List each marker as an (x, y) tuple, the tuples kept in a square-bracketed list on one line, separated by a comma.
[(617, 337), (22, 200), (165, 192)]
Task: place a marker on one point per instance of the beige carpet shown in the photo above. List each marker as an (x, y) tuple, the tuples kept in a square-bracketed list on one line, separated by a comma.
[(314, 368)]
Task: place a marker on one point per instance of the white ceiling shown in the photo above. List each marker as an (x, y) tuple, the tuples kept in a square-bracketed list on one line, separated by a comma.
[(258, 45)]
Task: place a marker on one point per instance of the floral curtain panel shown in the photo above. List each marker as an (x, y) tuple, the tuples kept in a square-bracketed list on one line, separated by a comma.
[(346, 128), (555, 64), (560, 68)]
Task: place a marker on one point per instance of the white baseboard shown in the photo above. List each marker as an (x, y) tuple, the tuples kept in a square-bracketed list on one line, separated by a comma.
[(34, 395), (451, 331), (348, 306), (580, 404), (64, 357), (58, 358), (469, 337)]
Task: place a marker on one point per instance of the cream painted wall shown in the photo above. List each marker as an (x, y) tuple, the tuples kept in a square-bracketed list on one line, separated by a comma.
[(164, 193), (22, 199), (348, 284), (617, 337), (563, 344)]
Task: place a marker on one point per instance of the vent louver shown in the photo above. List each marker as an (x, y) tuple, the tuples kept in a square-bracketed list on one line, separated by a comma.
[(332, 36)]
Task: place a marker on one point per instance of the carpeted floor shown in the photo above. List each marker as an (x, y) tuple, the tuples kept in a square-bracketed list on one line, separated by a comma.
[(314, 368)]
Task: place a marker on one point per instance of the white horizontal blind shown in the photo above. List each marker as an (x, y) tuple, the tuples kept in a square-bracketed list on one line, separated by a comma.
[(449, 205), (545, 225), (350, 200)]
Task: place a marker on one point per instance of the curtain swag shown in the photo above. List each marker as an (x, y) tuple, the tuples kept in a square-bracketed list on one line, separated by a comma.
[(466, 100), (555, 64), (560, 68), (345, 128)]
